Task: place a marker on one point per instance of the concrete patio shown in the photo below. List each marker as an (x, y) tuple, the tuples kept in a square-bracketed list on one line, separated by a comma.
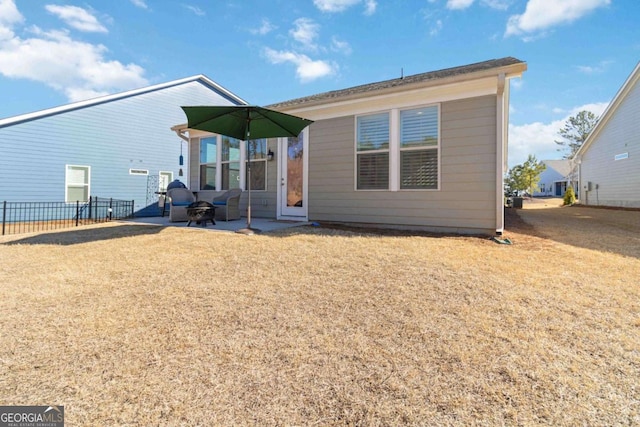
[(265, 225)]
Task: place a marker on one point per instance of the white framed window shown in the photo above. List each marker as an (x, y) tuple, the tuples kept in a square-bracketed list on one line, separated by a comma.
[(398, 150), (230, 163), (164, 178), (419, 146), (77, 183), (258, 156), (208, 163), (372, 152), (223, 163)]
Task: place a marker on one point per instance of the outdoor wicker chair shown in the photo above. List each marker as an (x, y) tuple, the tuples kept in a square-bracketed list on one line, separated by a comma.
[(228, 205), (180, 199)]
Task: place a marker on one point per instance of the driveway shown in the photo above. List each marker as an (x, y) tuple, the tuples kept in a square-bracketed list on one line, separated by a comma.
[(600, 229)]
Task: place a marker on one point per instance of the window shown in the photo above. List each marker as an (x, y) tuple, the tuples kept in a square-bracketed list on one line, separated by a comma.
[(230, 163), (419, 148), (208, 163), (398, 150), (223, 158), (372, 146), (77, 183), (258, 158)]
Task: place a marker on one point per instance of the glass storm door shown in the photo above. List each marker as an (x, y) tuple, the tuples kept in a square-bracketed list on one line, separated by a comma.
[(293, 176)]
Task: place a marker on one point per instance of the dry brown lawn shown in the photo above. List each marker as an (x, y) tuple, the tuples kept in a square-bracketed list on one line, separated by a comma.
[(136, 325)]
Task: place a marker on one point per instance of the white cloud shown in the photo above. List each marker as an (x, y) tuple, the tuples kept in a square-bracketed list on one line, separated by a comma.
[(541, 15), (334, 6), (435, 28), (195, 9), (459, 4), (9, 16), (265, 28), (497, 4), (140, 3), (601, 67), (306, 69), (539, 138), (77, 17), (340, 46), (370, 7), (305, 32), (75, 68)]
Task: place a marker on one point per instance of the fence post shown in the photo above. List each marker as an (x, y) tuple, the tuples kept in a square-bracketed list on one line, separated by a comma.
[(77, 211), (4, 215), (132, 202), (110, 208), (90, 213)]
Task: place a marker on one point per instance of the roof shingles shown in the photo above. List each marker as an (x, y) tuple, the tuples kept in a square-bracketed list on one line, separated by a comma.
[(406, 80)]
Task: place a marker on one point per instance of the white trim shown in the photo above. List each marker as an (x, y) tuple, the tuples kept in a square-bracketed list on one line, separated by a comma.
[(610, 110), (502, 93), (66, 183), (121, 95), (280, 194), (394, 149), (400, 99), (161, 173)]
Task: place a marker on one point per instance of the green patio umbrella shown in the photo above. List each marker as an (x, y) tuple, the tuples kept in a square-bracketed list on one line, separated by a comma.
[(245, 122)]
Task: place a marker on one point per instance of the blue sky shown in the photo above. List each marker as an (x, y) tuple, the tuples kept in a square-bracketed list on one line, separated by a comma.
[(579, 52)]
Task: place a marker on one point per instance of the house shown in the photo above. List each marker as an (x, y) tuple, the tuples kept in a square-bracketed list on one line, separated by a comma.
[(555, 178), (609, 159), (426, 151), (118, 146)]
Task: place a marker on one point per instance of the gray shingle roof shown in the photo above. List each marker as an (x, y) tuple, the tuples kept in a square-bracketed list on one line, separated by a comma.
[(407, 80)]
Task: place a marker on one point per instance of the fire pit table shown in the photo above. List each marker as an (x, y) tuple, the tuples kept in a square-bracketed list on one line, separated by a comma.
[(201, 212)]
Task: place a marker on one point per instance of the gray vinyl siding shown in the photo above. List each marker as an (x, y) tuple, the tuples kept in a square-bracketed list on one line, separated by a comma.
[(111, 138), (466, 199), (618, 181)]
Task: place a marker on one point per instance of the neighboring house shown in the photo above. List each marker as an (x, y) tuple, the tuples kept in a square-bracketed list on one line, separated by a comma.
[(609, 160), (555, 178), (426, 151), (118, 146)]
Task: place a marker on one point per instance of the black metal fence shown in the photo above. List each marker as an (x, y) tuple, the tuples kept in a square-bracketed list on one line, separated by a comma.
[(27, 217)]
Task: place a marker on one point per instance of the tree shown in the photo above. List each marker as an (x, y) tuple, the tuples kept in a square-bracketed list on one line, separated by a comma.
[(575, 131), (525, 177)]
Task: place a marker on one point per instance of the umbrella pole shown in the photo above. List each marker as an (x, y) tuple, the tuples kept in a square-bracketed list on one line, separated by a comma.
[(248, 183), (248, 229)]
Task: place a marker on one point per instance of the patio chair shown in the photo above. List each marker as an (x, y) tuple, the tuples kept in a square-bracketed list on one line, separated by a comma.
[(180, 199), (227, 205)]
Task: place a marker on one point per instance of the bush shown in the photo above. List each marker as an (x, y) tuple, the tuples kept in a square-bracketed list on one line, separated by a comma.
[(569, 197)]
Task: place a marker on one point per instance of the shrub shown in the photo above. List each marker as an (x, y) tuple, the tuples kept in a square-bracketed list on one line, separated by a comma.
[(569, 196)]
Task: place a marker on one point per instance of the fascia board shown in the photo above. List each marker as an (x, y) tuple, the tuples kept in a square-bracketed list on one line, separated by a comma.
[(611, 109), (109, 98), (404, 98)]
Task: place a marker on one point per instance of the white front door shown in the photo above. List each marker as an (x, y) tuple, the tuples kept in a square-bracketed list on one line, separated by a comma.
[(293, 189)]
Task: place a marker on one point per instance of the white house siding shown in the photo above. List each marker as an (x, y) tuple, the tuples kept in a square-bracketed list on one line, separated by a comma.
[(111, 138), (618, 182), (465, 201)]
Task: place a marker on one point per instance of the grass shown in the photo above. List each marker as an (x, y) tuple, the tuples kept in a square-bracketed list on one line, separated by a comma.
[(136, 325)]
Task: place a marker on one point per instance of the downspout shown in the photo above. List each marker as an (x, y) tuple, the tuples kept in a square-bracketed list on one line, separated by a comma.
[(501, 149)]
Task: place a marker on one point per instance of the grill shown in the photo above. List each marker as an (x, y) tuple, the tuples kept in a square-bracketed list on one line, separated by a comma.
[(201, 212)]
